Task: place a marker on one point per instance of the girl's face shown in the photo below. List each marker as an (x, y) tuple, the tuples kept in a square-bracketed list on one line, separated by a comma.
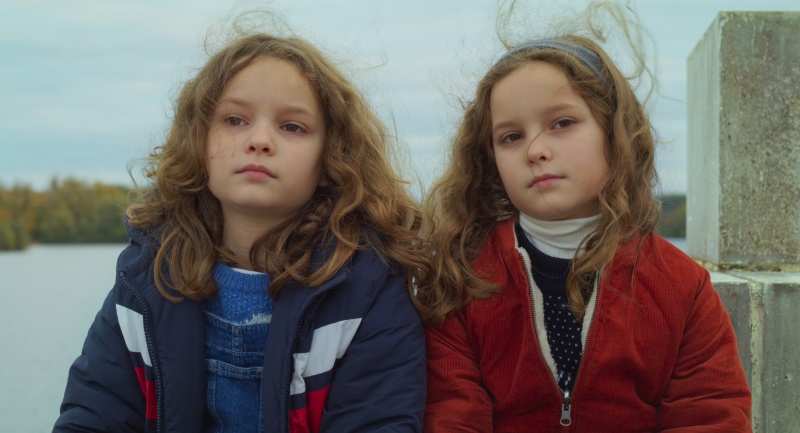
[(265, 144), (548, 147)]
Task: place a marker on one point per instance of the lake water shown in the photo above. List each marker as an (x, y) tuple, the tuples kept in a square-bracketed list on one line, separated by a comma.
[(49, 296)]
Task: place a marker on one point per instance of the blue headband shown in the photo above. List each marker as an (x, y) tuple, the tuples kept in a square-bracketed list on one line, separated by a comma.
[(585, 55)]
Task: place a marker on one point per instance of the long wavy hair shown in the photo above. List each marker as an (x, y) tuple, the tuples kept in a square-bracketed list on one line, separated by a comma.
[(469, 199), (360, 202)]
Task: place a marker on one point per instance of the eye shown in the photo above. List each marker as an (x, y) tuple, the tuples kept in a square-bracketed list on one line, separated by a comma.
[(510, 138), (563, 123), (234, 121), (293, 128)]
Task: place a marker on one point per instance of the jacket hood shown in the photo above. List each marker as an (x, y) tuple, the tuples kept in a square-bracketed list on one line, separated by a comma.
[(136, 260)]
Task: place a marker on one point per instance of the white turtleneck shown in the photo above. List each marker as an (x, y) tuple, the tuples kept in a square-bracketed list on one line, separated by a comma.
[(558, 238)]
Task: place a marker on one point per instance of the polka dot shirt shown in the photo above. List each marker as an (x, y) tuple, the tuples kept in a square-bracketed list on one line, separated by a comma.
[(563, 330)]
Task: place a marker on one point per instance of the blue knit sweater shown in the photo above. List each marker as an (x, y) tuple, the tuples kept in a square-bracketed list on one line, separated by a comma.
[(237, 324)]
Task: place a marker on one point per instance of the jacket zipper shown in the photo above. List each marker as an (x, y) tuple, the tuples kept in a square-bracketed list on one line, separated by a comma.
[(296, 335), (566, 411), (150, 348), (566, 399)]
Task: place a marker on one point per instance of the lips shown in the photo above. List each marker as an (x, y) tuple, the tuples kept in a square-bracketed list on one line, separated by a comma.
[(256, 170), (544, 180)]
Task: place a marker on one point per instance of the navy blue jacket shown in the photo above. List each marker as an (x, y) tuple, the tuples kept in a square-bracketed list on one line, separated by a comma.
[(347, 356)]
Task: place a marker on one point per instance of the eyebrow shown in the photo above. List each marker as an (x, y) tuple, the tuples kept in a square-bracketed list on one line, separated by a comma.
[(290, 108), (546, 111), (555, 108), (234, 101)]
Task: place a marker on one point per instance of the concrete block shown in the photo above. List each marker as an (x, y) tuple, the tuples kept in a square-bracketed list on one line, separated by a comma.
[(768, 303), (737, 297), (744, 141)]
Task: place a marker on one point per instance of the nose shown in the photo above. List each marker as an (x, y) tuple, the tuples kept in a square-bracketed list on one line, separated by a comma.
[(538, 151), (260, 140)]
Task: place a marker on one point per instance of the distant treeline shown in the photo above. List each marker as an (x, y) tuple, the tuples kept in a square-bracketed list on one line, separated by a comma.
[(70, 211), (672, 222)]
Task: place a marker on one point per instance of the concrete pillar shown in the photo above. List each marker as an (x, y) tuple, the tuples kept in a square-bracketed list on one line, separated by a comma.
[(744, 141), (764, 310), (743, 211)]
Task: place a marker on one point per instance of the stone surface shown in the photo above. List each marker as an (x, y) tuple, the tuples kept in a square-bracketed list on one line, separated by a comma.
[(736, 296), (764, 311), (744, 141)]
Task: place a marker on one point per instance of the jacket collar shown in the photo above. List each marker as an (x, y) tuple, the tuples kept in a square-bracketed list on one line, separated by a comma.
[(503, 240)]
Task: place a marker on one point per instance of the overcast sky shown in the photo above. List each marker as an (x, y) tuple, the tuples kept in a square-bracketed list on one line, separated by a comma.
[(87, 85)]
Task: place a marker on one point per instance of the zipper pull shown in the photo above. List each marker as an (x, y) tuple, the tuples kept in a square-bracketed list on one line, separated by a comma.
[(566, 411)]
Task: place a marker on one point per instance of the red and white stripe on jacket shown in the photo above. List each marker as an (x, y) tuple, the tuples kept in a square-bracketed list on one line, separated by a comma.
[(328, 345), (131, 324)]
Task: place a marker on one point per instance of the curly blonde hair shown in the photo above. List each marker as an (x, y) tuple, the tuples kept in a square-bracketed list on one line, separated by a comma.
[(360, 202), (469, 199)]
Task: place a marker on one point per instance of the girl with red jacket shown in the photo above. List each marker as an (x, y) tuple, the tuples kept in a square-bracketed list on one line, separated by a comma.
[(558, 309)]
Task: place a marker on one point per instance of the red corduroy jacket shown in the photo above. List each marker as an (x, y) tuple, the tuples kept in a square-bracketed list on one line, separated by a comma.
[(660, 355)]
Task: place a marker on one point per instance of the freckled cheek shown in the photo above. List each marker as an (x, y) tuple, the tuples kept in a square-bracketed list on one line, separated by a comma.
[(604, 173), (503, 165), (212, 147), (221, 143), (596, 182)]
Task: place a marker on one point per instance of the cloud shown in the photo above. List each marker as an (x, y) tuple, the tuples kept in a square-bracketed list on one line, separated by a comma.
[(91, 82)]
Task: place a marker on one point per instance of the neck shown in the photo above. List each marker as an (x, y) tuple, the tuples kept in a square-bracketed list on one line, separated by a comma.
[(241, 232)]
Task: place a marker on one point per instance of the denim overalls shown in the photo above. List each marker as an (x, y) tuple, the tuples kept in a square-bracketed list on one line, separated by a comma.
[(237, 323)]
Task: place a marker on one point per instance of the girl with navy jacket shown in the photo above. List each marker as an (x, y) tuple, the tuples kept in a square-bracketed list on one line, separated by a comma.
[(267, 284)]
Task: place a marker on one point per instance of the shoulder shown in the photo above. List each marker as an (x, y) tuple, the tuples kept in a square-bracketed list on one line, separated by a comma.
[(668, 259), (653, 263), (365, 274), (135, 265), (501, 238), (141, 249), (500, 246), (371, 273)]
